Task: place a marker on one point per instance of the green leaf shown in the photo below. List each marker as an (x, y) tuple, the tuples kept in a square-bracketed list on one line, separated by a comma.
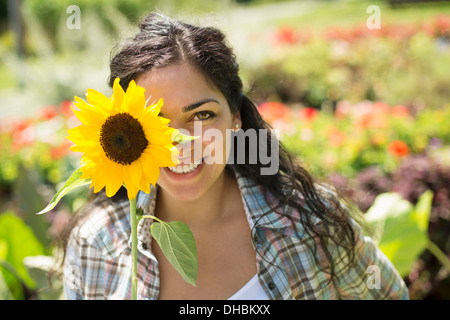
[(39, 269), (422, 210), (29, 202), (178, 245), (182, 138), (18, 241), (5, 293), (402, 235), (386, 206), (73, 182)]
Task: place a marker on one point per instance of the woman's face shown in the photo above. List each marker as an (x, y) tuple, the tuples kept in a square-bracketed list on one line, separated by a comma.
[(194, 104)]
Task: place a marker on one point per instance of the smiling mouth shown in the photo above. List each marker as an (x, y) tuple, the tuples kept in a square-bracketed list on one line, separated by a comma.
[(185, 168)]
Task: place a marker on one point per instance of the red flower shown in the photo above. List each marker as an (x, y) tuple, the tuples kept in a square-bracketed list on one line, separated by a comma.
[(22, 134), (271, 111), (308, 114), (48, 113), (65, 108), (443, 25), (286, 35), (439, 27), (398, 148)]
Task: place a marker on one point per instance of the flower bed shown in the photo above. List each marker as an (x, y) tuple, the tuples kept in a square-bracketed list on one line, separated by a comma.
[(397, 64), (369, 148)]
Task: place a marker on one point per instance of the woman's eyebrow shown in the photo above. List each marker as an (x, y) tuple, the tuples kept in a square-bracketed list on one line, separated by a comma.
[(198, 104)]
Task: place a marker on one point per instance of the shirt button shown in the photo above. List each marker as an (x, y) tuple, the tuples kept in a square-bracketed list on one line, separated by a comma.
[(271, 285)]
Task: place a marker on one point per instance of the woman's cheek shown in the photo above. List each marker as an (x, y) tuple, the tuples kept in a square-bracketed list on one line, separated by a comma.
[(215, 146)]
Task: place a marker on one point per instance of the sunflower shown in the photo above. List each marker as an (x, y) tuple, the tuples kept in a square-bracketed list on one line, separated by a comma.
[(122, 140)]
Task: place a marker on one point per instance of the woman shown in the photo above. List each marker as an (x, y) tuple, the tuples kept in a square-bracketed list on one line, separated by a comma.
[(258, 236)]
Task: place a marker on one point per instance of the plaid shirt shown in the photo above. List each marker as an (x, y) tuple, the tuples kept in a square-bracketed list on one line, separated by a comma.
[(98, 260)]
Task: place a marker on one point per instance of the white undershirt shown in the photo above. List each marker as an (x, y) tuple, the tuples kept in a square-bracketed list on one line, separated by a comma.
[(252, 290)]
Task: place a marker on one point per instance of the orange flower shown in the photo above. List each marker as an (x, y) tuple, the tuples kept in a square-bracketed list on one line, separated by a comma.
[(272, 111), (398, 148), (374, 117), (60, 151), (336, 137), (380, 108), (400, 111), (378, 138)]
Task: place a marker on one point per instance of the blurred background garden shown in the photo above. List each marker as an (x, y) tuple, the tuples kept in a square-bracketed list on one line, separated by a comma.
[(359, 91)]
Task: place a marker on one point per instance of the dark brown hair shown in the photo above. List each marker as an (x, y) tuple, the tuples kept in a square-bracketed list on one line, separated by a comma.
[(162, 41)]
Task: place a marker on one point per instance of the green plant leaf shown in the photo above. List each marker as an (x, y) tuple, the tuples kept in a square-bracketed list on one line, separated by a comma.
[(182, 138), (18, 241), (400, 226), (73, 182), (39, 269), (5, 293), (178, 245), (422, 210), (29, 201)]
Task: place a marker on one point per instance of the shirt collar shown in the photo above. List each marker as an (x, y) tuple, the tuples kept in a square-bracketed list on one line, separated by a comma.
[(259, 213)]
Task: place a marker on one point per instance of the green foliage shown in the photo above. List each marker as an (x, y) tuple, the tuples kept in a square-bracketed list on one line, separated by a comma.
[(17, 242), (41, 269), (72, 183), (332, 69), (401, 229), (178, 245), (399, 64), (357, 136)]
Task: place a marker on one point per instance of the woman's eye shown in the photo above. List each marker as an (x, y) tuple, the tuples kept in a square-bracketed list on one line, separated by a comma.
[(203, 115)]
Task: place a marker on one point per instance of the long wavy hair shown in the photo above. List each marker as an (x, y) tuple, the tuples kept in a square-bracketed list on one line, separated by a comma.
[(161, 42)]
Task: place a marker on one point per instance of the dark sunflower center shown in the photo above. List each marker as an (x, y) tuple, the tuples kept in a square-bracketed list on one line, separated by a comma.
[(122, 138)]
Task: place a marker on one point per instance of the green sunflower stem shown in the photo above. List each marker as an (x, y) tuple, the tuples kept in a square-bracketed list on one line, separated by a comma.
[(133, 249)]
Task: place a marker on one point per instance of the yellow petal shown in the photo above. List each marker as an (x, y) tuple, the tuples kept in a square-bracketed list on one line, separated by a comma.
[(145, 184), (84, 133), (88, 117), (132, 190), (135, 171), (152, 173), (114, 181), (155, 109), (164, 121), (164, 155), (134, 100), (154, 131), (98, 100), (118, 95), (92, 151), (86, 107)]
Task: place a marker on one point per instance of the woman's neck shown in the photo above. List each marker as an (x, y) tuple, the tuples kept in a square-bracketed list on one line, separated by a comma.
[(203, 212)]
